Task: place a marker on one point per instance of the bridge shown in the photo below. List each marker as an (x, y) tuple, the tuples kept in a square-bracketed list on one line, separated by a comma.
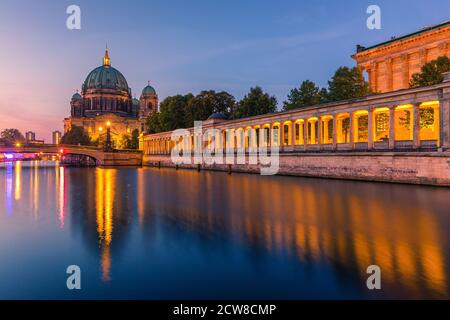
[(101, 158)]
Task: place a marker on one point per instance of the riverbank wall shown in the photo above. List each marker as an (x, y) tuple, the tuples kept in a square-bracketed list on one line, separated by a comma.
[(424, 168)]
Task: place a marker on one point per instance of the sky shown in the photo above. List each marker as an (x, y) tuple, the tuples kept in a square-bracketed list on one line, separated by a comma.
[(183, 46)]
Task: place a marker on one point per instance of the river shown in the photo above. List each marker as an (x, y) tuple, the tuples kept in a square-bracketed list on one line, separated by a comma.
[(151, 233)]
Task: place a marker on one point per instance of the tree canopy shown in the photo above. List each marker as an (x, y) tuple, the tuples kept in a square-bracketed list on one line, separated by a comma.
[(12, 136), (206, 103), (308, 94), (173, 112), (347, 83), (77, 136), (255, 103), (431, 72), (181, 111)]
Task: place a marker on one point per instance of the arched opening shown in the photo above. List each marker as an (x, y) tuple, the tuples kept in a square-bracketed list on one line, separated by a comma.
[(78, 160)]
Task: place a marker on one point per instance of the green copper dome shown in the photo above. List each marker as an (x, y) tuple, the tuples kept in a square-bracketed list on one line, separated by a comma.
[(106, 77), (135, 101), (76, 96), (148, 90)]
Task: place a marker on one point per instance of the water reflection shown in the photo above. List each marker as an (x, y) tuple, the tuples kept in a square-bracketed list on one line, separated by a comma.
[(338, 225)]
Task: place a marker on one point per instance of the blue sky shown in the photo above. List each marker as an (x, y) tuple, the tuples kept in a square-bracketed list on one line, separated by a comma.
[(183, 46)]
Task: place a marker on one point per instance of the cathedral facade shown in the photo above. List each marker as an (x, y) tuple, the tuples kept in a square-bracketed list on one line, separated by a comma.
[(106, 102)]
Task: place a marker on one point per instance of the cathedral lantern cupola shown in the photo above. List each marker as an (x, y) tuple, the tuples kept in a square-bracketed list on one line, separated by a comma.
[(106, 59)]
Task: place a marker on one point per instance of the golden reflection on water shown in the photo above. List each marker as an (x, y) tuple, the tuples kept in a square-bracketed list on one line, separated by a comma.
[(304, 218), (104, 199), (18, 180)]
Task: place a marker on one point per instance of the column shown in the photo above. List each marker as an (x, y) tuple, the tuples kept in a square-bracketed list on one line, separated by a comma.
[(422, 57), (334, 131), (305, 133), (374, 77), (281, 135), (405, 60), (391, 128), (325, 131), (352, 144), (319, 132), (370, 129), (444, 124), (416, 125), (313, 132), (389, 75), (293, 133)]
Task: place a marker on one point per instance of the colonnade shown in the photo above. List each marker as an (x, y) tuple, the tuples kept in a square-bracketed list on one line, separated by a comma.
[(391, 127)]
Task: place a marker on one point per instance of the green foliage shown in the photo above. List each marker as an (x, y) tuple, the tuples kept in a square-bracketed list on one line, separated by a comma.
[(431, 73), (129, 142), (307, 95), (153, 123), (255, 103), (181, 111), (173, 112), (206, 103), (76, 136), (347, 83)]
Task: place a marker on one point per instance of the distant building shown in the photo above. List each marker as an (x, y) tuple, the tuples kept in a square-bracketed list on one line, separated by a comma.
[(391, 64), (56, 137), (106, 99), (30, 136)]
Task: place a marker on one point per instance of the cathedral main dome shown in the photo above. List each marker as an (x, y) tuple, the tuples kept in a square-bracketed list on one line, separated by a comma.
[(106, 77)]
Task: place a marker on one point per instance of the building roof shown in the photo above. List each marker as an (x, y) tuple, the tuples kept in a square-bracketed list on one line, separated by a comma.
[(218, 116), (148, 90), (409, 35)]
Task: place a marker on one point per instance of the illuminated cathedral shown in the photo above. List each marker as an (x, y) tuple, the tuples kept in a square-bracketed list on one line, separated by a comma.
[(106, 101)]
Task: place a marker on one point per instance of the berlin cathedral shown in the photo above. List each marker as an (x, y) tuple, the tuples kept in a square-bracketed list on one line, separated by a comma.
[(106, 100)]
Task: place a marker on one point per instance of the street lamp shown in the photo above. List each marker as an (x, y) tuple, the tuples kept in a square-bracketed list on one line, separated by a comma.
[(18, 145), (108, 145)]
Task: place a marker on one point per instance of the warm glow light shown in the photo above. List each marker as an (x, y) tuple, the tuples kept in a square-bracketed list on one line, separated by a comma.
[(61, 150), (18, 144), (429, 103), (100, 129), (108, 124)]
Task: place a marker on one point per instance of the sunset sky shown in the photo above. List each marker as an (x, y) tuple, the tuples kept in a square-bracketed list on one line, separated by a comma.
[(183, 46)]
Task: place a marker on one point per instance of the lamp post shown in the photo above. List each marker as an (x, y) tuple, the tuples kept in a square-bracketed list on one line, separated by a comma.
[(108, 145)]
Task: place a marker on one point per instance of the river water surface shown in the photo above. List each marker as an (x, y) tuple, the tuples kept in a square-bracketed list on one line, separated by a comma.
[(166, 234)]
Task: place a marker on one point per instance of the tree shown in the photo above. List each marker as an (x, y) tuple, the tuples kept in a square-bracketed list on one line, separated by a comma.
[(153, 122), (12, 136), (431, 73), (206, 103), (173, 112), (347, 84), (77, 136), (256, 102), (133, 143), (307, 95)]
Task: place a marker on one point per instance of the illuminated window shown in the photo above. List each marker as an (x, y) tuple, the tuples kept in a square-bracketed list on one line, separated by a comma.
[(429, 121), (343, 128), (381, 124), (361, 126), (403, 118)]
